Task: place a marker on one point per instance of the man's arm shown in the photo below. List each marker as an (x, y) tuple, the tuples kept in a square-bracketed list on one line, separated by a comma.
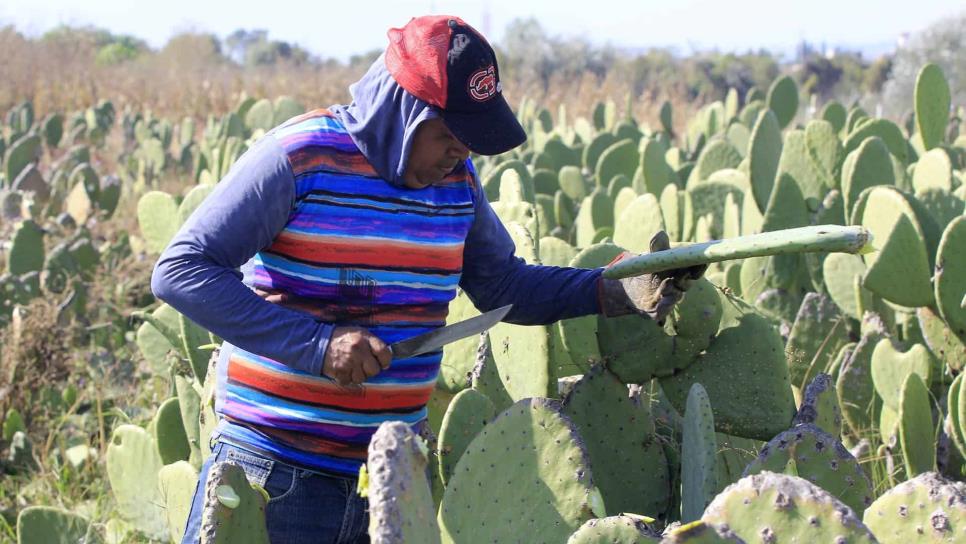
[(198, 272), (493, 276)]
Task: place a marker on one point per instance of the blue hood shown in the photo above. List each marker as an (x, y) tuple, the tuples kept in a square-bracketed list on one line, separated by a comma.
[(382, 120)]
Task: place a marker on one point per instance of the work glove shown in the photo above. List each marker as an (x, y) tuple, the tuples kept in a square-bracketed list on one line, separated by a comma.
[(649, 295)]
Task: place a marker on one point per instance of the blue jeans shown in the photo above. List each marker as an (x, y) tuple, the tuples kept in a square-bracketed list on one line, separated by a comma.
[(304, 506)]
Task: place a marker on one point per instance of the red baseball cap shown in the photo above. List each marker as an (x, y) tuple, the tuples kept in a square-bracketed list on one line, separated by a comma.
[(448, 64)]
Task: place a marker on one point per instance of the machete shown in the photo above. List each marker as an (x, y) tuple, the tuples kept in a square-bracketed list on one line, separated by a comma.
[(437, 338)]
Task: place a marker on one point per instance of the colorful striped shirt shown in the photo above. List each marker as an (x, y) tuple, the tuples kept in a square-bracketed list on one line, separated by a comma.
[(333, 244), (357, 251)]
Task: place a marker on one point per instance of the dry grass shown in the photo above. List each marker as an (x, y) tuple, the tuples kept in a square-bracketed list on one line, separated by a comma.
[(187, 78)]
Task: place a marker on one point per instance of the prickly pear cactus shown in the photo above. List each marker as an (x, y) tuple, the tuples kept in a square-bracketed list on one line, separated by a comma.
[(770, 507), (733, 455), (458, 357), (26, 252), (932, 105), (899, 272), (927, 509), (782, 99), (840, 271), (553, 252), (234, 510), (854, 385), (745, 375), (764, 152), (467, 414), (638, 222), (169, 433), (954, 426), (626, 456), (941, 340), (698, 461), (818, 334), (177, 484), (133, 464), (624, 529), (485, 377), (916, 430), (820, 406), (158, 219), (189, 405), (620, 158), (49, 525), (544, 494), (400, 501), (522, 356), (950, 278), (261, 115), (810, 453), (596, 212), (891, 366), (701, 532)]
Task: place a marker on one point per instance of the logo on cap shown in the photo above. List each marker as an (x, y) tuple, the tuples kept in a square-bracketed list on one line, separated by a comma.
[(483, 84)]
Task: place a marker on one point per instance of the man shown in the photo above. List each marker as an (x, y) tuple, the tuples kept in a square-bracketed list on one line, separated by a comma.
[(360, 222)]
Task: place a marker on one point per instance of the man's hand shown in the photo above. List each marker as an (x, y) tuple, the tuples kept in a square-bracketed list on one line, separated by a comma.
[(355, 355), (651, 295)]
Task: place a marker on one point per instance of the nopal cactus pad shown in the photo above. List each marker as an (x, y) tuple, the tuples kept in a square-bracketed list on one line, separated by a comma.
[(698, 455), (522, 357), (926, 509), (950, 278), (701, 532), (932, 105), (916, 430), (820, 406), (133, 464), (819, 332), (169, 432), (158, 219), (855, 389), (401, 505), (49, 525), (467, 414), (899, 271), (772, 508), (234, 511), (891, 366), (626, 457), (746, 377), (810, 453), (525, 478), (459, 356), (624, 529), (177, 483)]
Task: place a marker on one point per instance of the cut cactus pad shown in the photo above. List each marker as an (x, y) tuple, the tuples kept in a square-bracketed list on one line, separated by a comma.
[(828, 238)]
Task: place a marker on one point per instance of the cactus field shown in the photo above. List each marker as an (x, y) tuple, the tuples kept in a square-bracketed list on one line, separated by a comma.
[(791, 396)]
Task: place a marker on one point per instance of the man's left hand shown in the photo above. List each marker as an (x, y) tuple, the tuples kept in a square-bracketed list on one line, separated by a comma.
[(650, 295)]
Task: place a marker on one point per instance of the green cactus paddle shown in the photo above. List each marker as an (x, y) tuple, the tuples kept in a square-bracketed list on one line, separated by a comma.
[(829, 238), (927, 508)]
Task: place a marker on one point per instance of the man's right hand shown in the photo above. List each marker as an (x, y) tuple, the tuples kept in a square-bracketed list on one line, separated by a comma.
[(355, 355)]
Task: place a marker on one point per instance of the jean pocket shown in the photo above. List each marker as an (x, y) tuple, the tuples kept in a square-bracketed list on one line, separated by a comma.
[(257, 469), (282, 482)]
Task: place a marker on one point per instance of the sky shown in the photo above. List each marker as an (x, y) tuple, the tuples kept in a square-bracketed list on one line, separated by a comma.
[(341, 29)]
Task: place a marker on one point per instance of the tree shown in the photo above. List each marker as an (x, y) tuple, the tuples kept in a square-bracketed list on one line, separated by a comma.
[(943, 43)]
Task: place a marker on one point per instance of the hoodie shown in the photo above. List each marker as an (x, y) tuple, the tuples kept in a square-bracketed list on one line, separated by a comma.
[(200, 272)]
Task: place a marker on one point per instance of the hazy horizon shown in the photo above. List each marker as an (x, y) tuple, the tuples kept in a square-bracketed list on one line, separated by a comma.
[(685, 26)]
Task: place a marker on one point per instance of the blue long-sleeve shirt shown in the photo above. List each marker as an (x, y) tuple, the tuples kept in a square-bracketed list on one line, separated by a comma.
[(199, 272)]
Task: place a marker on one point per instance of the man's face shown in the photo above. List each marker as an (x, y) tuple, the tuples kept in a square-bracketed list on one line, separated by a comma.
[(433, 155)]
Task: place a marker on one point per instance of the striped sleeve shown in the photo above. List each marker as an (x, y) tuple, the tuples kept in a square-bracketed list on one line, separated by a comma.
[(198, 273)]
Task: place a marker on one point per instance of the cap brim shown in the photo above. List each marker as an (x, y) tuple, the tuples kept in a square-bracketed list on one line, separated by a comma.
[(490, 132)]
